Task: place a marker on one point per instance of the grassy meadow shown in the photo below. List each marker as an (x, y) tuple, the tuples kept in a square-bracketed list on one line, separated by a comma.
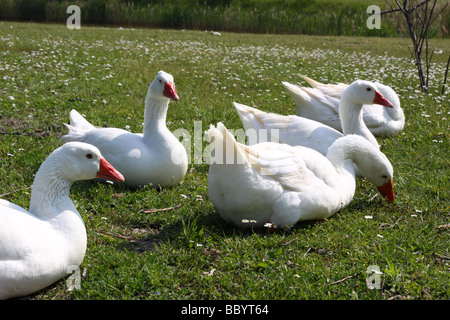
[(189, 252)]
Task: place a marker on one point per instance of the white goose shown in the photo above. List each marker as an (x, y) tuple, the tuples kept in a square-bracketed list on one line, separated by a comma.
[(280, 184), (300, 131), (321, 103), (38, 246), (155, 157)]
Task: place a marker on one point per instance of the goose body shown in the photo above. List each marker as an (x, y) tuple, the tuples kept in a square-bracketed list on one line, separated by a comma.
[(293, 130), (155, 157), (300, 131), (280, 184), (321, 103), (37, 246)]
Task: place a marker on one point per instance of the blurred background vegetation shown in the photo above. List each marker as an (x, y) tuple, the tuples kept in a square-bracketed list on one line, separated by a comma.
[(316, 17)]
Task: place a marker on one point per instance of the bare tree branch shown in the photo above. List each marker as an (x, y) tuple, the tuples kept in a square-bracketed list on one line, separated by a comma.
[(346, 278), (445, 77), (419, 17), (389, 11), (439, 13), (403, 9), (163, 209)]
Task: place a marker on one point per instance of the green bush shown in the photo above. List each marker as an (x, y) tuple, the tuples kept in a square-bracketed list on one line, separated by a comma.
[(320, 17)]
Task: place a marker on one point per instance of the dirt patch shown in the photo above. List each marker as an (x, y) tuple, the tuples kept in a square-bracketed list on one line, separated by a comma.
[(149, 243), (8, 125), (13, 126), (139, 244)]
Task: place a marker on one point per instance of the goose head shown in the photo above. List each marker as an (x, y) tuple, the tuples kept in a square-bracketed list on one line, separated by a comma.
[(376, 167), (82, 161), (71, 162), (373, 164), (364, 92), (163, 87), (378, 170)]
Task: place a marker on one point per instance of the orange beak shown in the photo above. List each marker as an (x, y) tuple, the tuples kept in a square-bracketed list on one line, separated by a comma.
[(169, 91), (107, 171), (387, 190), (380, 99)]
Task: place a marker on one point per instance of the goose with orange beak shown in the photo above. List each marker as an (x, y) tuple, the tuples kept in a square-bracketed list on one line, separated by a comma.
[(155, 157), (39, 245)]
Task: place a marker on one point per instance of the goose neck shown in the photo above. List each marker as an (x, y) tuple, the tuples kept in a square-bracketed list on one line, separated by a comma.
[(155, 115), (343, 163), (50, 191), (351, 117)]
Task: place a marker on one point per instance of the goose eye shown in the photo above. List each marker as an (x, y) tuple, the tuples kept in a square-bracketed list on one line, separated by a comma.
[(369, 89), (89, 156), (160, 81), (384, 176)]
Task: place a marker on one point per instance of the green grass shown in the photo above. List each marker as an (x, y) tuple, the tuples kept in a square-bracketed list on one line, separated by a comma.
[(190, 252)]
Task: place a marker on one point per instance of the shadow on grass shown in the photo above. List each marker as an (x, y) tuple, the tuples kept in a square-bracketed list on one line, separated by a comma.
[(201, 229), (188, 227)]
